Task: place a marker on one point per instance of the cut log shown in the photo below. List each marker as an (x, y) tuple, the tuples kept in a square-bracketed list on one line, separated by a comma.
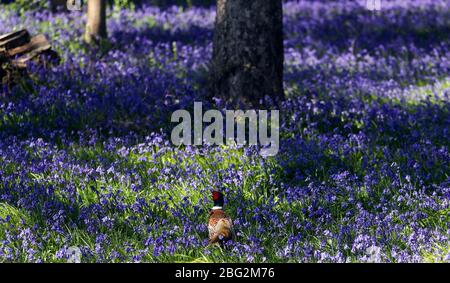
[(16, 50), (37, 44), (13, 40)]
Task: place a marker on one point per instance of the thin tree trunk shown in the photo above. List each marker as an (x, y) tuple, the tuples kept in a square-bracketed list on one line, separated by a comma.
[(248, 51), (96, 21)]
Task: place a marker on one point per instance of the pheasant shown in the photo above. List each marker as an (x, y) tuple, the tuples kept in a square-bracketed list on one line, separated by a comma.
[(219, 224)]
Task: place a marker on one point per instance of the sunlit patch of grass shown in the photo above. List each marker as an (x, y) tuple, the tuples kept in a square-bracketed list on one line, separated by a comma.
[(438, 254), (90, 194)]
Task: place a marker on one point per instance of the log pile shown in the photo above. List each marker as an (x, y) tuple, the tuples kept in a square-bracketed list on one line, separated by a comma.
[(19, 48)]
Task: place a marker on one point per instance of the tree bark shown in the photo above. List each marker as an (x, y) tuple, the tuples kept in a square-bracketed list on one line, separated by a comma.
[(248, 52), (96, 21)]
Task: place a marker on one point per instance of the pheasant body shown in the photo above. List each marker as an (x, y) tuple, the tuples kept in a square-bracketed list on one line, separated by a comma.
[(219, 227), (219, 224)]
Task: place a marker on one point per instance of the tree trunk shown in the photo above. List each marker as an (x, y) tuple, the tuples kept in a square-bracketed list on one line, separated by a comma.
[(248, 51), (96, 21)]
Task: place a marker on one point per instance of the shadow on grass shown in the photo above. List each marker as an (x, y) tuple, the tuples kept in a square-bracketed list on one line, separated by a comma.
[(424, 28)]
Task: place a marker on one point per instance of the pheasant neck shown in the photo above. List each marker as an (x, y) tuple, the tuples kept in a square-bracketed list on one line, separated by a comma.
[(216, 208)]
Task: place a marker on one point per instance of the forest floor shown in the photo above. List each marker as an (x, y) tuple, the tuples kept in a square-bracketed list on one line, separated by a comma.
[(362, 174)]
